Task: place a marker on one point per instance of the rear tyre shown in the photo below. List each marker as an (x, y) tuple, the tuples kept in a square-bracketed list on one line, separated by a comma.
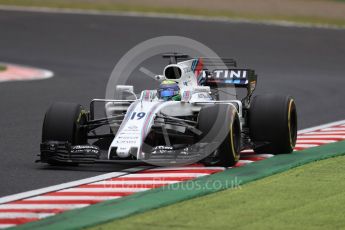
[(273, 123), (62, 122), (226, 127)]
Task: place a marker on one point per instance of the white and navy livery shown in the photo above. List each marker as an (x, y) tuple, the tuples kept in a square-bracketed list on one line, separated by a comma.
[(201, 127)]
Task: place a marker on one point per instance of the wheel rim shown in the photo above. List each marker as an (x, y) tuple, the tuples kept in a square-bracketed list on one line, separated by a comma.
[(234, 137), (292, 123)]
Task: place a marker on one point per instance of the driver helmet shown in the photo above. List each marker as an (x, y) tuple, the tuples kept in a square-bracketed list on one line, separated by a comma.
[(169, 90)]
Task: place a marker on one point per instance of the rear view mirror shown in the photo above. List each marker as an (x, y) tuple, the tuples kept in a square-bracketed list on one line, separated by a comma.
[(126, 89)]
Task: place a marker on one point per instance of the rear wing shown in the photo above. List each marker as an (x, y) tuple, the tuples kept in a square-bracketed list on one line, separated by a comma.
[(223, 77), (240, 78)]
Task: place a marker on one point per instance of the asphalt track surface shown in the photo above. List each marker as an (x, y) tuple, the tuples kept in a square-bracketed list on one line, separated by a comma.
[(82, 50)]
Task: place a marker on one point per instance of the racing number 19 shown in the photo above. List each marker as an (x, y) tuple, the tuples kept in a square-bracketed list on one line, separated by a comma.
[(138, 115)]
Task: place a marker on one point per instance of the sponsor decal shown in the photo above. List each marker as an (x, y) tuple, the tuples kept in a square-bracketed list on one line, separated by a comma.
[(203, 96), (128, 142), (85, 149), (133, 127), (225, 74), (128, 137), (137, 116)]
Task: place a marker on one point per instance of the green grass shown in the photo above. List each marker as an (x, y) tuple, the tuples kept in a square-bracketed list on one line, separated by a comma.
[(308, 197), (94, 5), (2, 68)]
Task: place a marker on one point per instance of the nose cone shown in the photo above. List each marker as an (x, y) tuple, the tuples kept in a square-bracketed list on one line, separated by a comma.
[(119, 152)]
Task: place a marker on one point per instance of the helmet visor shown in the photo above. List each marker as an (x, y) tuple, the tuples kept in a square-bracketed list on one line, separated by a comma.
[(168, 93)]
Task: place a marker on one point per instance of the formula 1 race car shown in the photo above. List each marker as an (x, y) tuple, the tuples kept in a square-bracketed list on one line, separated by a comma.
[(198, 127)]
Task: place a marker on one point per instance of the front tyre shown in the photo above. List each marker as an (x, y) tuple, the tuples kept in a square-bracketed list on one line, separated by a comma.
[(63, 122), (220, 123), (273, 123)]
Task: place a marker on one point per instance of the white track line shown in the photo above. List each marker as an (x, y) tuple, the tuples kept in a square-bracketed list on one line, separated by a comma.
[(14, 215), (327, 132), (314, 141), (168, 16), (247, 151), (105, 189), (245, 161), (186, 168), (334, 129), (305, 146), (321, 134), (6, 225), (135, 182), (67, 185), (73, 198), (321, 127), (259, 155), (266, 155), (311, 136), (42, 206), (160, 175)]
